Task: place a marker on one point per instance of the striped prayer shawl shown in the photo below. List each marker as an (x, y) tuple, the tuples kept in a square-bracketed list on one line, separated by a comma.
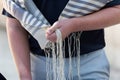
[(33, 20)]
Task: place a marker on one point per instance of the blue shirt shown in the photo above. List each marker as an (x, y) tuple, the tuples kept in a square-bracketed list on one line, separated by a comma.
[(51, 9)]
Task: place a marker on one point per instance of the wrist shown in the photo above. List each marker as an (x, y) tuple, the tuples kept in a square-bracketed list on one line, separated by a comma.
[(25, 78), (76, 22), (25, 75)]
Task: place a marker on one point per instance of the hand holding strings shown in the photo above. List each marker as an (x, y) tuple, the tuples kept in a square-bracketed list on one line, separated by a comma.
[(65, 26)]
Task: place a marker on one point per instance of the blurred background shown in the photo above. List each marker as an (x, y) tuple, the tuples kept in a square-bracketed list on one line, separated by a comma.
[(112, 36)]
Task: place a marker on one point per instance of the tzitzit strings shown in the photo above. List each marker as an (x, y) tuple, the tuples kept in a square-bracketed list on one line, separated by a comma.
[(33, 21)]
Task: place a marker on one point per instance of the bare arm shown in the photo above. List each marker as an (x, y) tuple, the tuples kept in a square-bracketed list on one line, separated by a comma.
[(98, 20), (101, 19), (18, 42)]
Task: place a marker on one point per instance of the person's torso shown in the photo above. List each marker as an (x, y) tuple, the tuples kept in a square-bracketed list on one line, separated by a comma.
[(51, 9)]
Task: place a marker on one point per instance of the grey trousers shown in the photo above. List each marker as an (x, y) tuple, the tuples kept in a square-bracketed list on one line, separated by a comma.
[(93, 66)]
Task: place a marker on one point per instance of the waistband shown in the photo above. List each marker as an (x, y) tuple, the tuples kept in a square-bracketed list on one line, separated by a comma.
[(43, 53)]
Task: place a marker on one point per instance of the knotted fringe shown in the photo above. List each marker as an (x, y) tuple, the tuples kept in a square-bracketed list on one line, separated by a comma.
[(33, 20)]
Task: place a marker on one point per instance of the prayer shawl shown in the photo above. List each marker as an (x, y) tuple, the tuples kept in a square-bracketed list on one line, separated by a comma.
[(33, 20)]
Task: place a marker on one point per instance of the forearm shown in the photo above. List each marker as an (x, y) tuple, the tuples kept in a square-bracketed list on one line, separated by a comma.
[(98, 20), (18, 42)]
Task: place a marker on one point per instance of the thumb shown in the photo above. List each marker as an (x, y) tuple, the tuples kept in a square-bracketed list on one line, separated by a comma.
[(53, 28)]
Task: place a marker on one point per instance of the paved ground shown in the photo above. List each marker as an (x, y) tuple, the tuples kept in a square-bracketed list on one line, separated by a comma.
[(113, 50)]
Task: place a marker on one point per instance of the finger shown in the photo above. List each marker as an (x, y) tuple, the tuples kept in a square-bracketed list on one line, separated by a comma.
[(52, 37), (53, 28)]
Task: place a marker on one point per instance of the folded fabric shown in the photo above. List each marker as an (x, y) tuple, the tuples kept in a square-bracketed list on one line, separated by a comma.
[(32, 19)]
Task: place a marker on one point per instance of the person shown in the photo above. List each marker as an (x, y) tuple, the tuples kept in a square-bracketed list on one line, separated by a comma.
[(92, 40)]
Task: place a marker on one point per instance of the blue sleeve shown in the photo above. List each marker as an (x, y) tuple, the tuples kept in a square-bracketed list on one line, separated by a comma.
[(113, 3), (4, 12)]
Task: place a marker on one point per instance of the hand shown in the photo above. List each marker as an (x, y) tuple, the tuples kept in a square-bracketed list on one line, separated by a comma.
[(65, 26)]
